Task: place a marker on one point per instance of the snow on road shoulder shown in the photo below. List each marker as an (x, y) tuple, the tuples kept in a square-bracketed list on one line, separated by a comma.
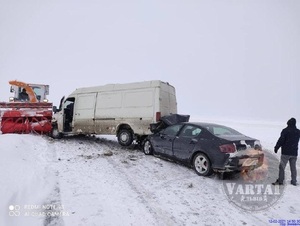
[(27, 179)]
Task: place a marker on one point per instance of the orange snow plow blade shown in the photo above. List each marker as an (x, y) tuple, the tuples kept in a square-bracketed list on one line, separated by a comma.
[(29, 90), (21, 117)]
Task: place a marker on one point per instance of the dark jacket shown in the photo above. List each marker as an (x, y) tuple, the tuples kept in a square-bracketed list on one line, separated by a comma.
[(289, 139), (24, 96)]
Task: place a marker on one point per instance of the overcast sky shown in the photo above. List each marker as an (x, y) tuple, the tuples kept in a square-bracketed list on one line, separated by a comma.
[(233, 59)]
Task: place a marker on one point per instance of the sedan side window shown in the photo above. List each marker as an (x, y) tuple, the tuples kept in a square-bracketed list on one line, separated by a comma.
[(222, 131), (190, 131), (172, 130)]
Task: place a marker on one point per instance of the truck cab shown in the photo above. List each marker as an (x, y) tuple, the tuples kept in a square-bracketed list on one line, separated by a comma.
[(41, 91)]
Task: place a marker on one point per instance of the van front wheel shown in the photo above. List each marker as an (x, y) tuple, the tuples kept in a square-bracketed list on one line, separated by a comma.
[(125, 137), (55, 133)]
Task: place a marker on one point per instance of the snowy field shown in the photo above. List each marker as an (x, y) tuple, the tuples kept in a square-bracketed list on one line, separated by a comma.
[(87, 181)]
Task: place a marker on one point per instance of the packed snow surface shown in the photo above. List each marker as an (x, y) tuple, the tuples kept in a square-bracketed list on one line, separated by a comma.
[(88, 181)]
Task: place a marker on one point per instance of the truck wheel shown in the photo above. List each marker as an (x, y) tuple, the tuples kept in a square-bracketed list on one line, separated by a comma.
[(125, 137)]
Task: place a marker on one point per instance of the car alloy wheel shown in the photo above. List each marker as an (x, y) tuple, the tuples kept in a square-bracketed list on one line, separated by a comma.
[(147, 147), (202, 165)]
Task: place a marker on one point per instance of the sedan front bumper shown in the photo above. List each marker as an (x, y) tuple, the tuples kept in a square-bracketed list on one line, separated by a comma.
[(245, 160)]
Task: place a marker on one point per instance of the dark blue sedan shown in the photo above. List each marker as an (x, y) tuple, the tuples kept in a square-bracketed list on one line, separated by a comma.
[(206, 147)]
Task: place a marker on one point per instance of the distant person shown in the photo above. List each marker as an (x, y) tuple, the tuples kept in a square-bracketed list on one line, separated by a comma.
[(23, 95), (288, 142)]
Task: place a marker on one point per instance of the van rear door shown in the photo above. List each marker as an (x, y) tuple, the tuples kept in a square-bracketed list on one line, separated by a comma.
[(84, 112), (168, 103)]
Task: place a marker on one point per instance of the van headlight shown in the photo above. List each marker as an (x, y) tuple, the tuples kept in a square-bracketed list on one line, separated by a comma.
[(45, 100), (11, 99)]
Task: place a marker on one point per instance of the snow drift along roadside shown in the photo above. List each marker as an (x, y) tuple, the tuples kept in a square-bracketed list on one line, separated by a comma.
[(26, 178)]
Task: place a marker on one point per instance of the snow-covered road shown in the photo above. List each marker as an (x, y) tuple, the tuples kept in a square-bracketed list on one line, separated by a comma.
[(129, 188), (94, 181)]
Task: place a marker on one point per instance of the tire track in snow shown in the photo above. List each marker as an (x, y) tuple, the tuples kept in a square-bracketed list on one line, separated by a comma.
[(53, 203), (53, 216), (88, 151), (145, 197), (210, 218), (148, 198)]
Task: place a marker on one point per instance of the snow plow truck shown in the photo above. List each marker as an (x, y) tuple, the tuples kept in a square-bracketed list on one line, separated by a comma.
[(28, 111)]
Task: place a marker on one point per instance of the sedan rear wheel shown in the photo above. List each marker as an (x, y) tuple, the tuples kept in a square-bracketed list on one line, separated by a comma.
[(202, 165), (147, 147)]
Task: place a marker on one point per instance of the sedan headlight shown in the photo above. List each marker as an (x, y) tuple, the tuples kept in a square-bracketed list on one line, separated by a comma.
[(257, 145)]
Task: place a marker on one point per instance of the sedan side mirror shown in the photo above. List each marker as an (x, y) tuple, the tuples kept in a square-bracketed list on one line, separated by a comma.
[(162, 136)]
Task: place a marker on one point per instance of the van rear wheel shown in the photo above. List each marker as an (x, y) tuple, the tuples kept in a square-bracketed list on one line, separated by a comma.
[(125, 137)]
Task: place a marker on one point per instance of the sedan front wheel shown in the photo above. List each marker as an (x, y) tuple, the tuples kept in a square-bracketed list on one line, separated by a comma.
[(147, 147), (202, 165)]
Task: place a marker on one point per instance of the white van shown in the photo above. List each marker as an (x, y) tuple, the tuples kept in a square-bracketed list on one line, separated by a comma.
[(126, 110)]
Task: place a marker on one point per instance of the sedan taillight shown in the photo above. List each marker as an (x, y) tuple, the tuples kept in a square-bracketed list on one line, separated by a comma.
[(227, 148)]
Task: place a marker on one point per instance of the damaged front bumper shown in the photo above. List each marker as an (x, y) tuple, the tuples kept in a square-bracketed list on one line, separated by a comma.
[(245, 160)]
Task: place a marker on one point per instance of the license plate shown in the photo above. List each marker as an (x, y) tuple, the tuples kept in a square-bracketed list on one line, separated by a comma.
[(250, 162)]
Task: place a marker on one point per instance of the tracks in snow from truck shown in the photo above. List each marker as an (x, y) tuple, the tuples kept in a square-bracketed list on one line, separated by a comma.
[(171, 197), (119, 159)]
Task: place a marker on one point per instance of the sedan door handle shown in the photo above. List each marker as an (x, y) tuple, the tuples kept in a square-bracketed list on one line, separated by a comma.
[(193, 141)]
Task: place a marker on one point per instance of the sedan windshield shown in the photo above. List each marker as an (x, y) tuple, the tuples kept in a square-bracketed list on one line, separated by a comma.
[(218, 130)]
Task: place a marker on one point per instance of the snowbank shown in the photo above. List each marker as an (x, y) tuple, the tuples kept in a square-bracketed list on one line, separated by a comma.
[(26, 178)]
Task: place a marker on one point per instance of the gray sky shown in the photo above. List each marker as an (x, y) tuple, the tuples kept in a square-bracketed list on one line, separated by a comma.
[(233, 59)]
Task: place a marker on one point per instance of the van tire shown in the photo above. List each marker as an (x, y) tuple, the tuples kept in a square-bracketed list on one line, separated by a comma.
[(125, 137), (55, 134)]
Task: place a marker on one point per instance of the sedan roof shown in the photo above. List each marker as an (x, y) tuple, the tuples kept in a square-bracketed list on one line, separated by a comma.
[(203, 124)]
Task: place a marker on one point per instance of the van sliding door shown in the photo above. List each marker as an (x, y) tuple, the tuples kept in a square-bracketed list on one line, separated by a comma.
[(108, 112), (84, 113)]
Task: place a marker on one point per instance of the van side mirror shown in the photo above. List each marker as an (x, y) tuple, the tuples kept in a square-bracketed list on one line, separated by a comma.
[(54, 109), (12, 89)]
